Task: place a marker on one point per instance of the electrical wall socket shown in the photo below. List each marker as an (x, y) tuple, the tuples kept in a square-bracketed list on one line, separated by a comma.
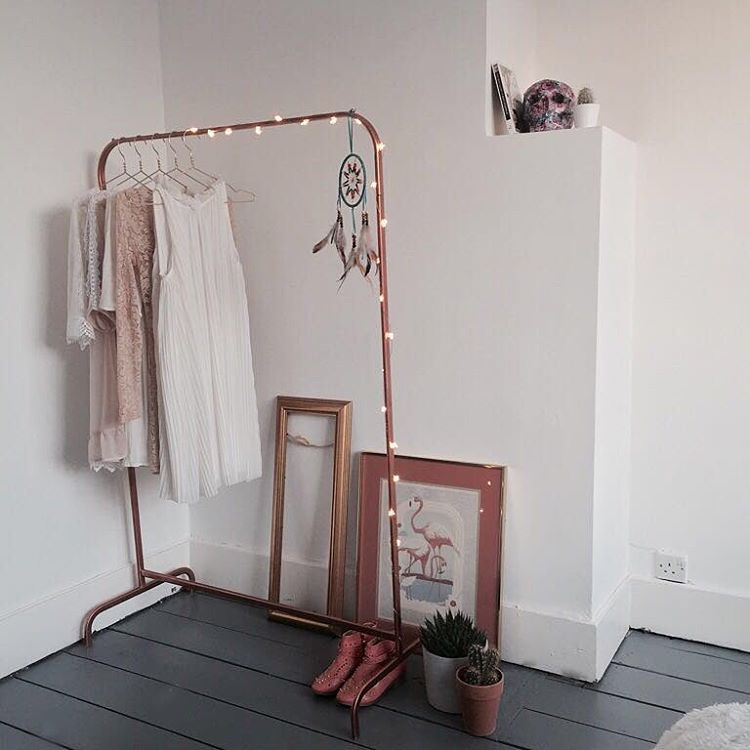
[(670, 567)]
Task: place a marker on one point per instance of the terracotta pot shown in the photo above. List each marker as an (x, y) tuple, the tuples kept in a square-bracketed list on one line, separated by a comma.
[(479, 704)]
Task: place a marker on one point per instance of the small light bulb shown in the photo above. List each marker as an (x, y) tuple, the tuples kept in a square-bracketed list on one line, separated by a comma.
[(389, 335), (489, 484), (398, 542), (374, 185), (278, 118), (334, 120), (391, 512), (377, 260), (393, 445), (380, 146), (382, 298), (384, 223), (193, 130), (306, 121), (383, 409), (258, 129), (227, 131), (357, 120), (211, 133), (396, 477), (481, 510)]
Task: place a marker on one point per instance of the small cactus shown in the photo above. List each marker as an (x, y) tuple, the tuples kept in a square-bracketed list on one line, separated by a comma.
[(484, 666), (586, 96)]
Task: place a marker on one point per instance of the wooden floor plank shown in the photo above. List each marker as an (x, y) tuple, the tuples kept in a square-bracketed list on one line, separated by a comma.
[(292, 662), (662, 690), (542, 732), (77, 725), (267, 694), (241, 617), (637, 636), (655, 656), (14, 739), (210, 721), (597, 709)]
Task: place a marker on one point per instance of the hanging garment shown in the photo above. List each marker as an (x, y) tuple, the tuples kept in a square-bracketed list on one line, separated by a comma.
[(136, 363), (88, 326), (209, 422), (79, 328), (136, 430)]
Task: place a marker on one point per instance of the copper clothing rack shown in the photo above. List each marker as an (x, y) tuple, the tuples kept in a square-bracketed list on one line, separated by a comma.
[(184, 577)]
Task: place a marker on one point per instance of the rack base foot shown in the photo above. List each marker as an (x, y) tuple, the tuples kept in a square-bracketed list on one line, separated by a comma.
[(389, 667), (141, 588)]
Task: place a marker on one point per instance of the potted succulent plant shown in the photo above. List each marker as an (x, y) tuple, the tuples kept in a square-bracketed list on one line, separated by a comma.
[(480, 688), (586, 111), (446, 640)]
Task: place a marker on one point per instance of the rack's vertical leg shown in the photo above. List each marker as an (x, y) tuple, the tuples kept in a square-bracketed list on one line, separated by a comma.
[(137, 535)]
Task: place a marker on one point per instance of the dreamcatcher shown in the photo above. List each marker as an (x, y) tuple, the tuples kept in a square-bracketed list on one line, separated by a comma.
[(352, 193)]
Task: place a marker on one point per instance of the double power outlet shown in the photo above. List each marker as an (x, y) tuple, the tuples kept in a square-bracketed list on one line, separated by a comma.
[(670, 567)]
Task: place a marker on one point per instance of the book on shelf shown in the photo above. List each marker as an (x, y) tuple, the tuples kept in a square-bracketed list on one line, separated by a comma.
[(509, 97)]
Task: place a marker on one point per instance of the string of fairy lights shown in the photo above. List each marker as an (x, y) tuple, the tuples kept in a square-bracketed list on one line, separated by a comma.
[(380, 146)]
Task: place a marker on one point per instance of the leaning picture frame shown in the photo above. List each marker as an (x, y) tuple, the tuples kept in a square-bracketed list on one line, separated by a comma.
[(450, 520), (341, 413)]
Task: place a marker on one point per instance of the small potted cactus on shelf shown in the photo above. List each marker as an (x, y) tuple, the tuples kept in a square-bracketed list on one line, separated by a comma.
[(446, 640), (480, 688), (586, 111)]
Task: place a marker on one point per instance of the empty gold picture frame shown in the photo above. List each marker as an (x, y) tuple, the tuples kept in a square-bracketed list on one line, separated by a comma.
[(341, 411)]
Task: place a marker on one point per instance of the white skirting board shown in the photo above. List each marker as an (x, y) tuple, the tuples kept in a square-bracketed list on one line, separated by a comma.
[(562, 644), (577, 648), (49, 624), (683, 610)]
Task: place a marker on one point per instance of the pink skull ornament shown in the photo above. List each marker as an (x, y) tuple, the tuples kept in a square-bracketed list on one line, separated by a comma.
[(548, 105)]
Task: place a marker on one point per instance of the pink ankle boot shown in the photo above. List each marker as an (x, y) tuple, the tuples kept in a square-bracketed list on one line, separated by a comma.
[(351, 647), (377, 653)]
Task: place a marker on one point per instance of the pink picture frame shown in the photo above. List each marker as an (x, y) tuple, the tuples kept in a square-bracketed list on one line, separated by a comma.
[(450, 518)]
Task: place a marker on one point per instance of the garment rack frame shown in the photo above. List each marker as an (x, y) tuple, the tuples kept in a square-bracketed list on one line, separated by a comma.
[(146, 579)]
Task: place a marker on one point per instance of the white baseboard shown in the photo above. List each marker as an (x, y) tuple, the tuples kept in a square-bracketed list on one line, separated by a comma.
[(683, 610), (47, 625), (303, 584), (574, 647)]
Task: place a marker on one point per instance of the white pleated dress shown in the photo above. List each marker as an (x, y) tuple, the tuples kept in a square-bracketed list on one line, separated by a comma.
[(209, 419)]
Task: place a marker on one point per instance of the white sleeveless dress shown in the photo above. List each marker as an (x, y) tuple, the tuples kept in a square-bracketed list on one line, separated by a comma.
[(209, 419)]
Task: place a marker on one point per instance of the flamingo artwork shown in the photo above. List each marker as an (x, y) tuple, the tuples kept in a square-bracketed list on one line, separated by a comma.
[(435, 534), (418, 551)]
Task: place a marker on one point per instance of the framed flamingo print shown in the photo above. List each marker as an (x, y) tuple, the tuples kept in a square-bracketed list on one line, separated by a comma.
[(449, 540)]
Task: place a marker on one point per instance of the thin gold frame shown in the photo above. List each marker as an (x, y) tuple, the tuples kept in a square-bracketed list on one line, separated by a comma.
[(341, 411)]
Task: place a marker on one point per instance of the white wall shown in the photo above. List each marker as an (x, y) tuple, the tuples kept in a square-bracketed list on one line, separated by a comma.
[(72, 76), (494, 296), (669, 75)]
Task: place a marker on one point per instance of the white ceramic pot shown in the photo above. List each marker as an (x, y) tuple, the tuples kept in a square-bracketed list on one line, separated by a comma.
[(440, 681), (586, 115)]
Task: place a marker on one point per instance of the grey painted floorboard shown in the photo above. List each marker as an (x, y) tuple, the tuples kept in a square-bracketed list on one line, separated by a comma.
[(14, 739), (541, 732), (662, 690), (655, 656), (231, 639), (78, 725), (212, 722), (637, 636), (267, 694), (197, 672)]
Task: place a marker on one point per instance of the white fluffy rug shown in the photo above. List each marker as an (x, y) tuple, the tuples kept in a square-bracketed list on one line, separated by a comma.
[(721, 727)]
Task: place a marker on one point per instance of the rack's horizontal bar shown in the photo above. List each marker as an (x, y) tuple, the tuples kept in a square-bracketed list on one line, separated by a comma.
[(276, 606), (220, 129)]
